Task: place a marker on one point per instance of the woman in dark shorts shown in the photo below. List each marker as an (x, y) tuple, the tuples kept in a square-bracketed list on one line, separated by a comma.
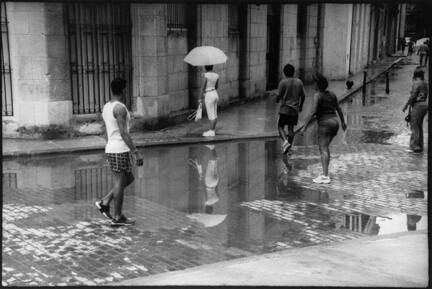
[(324, 108)]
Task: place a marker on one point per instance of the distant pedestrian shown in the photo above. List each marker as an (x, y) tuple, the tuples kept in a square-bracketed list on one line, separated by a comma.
[(324, 108), (291, 95), (410, 47), (423, 53), (418, 103), (403, 46), (209, 93), (120, 152)]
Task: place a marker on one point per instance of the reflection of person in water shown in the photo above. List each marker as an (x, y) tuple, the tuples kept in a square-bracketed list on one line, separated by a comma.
[(208, 180), (412, 221)]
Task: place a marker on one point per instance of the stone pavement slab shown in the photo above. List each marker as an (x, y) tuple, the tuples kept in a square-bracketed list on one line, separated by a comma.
[(352, 263)]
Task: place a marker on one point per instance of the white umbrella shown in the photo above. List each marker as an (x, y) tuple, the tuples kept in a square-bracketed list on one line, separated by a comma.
[(208, 220), (205, 55), (421, 41)]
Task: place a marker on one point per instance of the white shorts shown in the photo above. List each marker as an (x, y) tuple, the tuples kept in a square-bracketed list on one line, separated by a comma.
[(211, 99)]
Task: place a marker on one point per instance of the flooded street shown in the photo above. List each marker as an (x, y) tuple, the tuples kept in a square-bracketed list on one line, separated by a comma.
[(201, 204)]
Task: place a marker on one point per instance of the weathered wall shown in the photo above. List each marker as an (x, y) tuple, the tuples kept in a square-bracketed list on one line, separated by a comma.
[(253, 81), (335, 31), (289, 50), (39, 61), (177, 70), (149, 58), (233, 64)]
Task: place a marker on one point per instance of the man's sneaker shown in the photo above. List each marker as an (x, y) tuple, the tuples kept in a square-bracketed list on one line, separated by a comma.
[(322, 180), (209, 133), (104, 210), (122, 221), (286, 146)]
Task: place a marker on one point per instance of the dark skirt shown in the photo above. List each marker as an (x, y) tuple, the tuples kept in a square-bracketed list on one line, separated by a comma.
[(328, 126)]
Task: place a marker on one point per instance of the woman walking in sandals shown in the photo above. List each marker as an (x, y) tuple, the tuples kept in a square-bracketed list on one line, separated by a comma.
[(324, 108), (208, 56), (211, 97)]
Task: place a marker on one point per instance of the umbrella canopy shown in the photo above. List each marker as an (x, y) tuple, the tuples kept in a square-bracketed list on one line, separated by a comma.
[(205, 55), (207, 220), (421, 41)]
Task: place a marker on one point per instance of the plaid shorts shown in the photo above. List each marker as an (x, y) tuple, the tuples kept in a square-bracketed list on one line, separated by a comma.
[(120, 162)]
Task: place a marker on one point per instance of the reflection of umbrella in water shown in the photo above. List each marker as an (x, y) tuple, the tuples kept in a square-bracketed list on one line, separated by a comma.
[(205, 55), (208, 220)]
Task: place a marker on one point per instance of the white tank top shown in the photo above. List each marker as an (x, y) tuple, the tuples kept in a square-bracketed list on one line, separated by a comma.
[(212, 78), (115, 142)]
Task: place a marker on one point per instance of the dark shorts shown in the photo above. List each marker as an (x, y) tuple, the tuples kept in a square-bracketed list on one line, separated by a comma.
[(328, 126), (288, 119), (121, 162)]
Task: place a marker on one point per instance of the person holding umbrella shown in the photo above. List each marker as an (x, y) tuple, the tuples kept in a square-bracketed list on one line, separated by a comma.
[(208, 56), (209, 93)]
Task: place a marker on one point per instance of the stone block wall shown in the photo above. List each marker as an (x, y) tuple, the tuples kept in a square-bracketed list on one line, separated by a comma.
[(149, 59), (254, 81), (289, 50), (311, 61), (178, 86), (40, 64), (336, 30), (233, 65)]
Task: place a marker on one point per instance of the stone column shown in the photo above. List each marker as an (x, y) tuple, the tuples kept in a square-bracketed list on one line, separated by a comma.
[(336, 57), (253, 79), (40, 63), (288, 50), (149, 58)]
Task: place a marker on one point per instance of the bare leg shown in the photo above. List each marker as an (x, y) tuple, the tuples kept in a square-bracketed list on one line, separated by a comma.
[(118, 192), (213, 124), (282, 133), (290, 133), (324, 143)]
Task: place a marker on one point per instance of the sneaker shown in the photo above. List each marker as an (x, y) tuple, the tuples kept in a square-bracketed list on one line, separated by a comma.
[(322, 180), (122, 221), (286, 146), (209, 133), (104, 210)]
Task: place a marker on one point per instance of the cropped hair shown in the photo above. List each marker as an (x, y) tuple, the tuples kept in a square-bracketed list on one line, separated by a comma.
[(321, 82), (418, 73), (117, 85), (208, 67), (288, 70)]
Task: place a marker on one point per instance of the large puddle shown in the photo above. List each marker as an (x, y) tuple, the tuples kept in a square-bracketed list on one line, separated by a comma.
[(194, 205)]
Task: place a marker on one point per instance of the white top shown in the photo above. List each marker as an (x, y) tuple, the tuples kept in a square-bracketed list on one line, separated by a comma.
[(115, 142), (212, 78)]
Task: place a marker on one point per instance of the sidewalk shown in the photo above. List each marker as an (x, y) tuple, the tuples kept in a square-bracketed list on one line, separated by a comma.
[(362, 262), (256, 119)]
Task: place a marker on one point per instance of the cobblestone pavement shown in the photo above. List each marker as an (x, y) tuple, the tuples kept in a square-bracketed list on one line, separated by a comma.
[(53, 235)]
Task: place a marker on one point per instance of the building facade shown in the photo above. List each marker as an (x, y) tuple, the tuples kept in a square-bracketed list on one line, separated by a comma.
[(59, 58)]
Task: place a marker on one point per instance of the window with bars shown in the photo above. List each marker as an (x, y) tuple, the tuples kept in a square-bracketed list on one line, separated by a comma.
[(6, 87), (233, 18), (176, 16), (100, 50), (10, 180)]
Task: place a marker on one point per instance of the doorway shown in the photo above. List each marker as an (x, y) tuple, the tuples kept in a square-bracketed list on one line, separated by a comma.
[(273, 38)]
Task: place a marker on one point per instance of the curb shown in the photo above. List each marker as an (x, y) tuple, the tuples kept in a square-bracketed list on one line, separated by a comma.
[(190, 140), (272, 255)]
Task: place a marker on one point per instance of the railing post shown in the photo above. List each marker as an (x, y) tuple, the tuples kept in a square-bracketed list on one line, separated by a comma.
[(364, 81), (387, 83)]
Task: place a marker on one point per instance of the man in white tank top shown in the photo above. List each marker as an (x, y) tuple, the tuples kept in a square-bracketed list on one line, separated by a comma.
[(120, 151)]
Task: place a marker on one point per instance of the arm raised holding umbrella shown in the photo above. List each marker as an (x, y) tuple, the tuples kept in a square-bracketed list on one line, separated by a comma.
[(208, 56)]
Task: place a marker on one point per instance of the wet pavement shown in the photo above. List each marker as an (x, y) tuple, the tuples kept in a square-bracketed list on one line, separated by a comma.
[(254, 119), (202, 204)]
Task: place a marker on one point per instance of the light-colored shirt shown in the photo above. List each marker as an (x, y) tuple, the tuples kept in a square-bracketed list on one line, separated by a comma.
[(212, 78), (291, 93), (115, 142)]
